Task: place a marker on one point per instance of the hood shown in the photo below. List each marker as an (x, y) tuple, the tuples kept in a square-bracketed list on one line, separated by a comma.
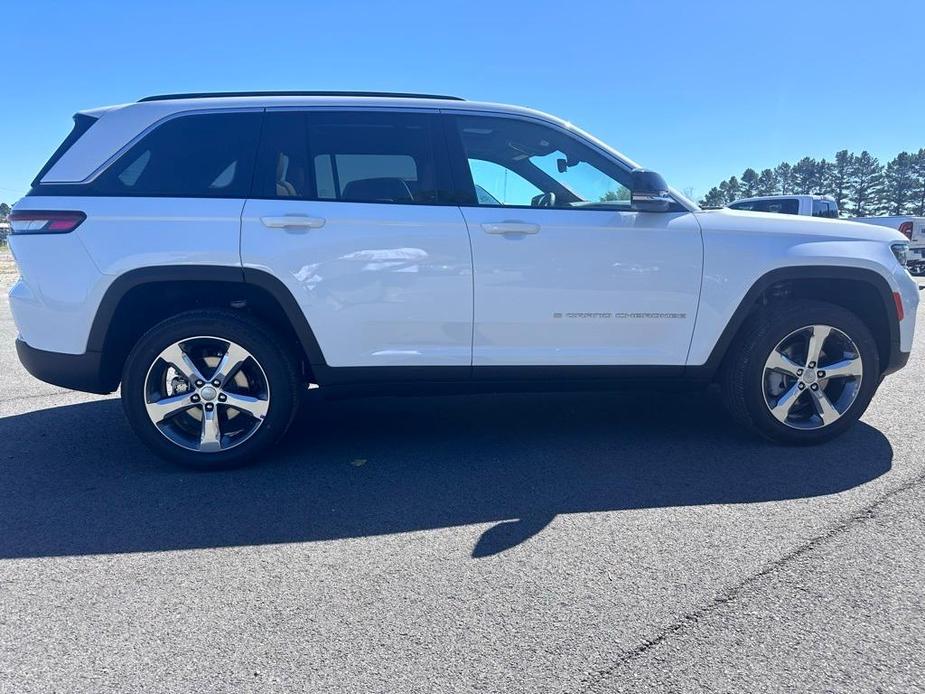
[(771, 223)]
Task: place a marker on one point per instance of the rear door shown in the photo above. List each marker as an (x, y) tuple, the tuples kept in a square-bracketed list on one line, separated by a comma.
[(347, 210)]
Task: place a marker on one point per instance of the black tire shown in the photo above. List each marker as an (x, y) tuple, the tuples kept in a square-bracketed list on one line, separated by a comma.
[(742, 376), (279, 364)]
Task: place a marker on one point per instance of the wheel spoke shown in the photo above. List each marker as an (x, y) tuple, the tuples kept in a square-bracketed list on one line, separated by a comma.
[(781, 362), (246, 403), (816, 342), (841, 369), (230, 362), (167, 407), (824, 407), (785, 403), (211, 437), (180, 360)]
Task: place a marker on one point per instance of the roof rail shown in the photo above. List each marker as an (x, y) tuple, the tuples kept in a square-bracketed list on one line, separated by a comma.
[(216, 95)]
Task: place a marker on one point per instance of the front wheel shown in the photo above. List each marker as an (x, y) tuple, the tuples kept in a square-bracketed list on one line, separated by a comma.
[(210, 389), (801, 373)]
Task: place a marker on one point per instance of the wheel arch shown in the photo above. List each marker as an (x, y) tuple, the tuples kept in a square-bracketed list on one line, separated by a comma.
[(863, 291), (138, 299)]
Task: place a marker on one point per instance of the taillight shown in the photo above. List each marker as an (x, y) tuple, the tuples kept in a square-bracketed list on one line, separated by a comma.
[(906, 230), (37, 222)]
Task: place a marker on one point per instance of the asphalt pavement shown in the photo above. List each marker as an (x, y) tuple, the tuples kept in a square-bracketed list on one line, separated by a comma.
[(497, 543)]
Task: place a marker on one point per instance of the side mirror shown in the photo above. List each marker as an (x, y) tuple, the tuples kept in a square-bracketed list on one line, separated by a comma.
[(650, 192)]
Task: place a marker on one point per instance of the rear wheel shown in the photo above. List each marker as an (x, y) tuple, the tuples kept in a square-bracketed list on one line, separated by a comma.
[(210, 389), (802, 373)]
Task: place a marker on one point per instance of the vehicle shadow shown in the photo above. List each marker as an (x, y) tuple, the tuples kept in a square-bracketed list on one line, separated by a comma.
[(74, 480)]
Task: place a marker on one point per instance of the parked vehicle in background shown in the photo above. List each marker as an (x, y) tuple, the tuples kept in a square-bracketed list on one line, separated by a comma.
[(808, 205), (913, 228), (215, 254)]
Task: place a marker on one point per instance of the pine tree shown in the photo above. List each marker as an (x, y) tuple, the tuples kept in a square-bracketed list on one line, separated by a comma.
[(865, 180), (918, 194), (823, 182), (767, 183), (713, 198), (898, 185), (803, 176), (838, 183), (749, 185), (730, 190), (784, 174)]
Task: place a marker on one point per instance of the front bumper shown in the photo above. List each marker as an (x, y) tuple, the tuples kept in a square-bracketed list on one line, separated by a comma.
[(75, 371), (897, 361)]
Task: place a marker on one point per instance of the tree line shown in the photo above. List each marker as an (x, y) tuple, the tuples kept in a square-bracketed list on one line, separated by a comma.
[(859, 183)]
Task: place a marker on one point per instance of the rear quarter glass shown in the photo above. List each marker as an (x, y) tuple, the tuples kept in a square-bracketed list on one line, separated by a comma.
[(82, 124)]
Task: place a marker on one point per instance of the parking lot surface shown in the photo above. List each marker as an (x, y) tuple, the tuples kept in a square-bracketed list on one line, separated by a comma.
[(515, 543)]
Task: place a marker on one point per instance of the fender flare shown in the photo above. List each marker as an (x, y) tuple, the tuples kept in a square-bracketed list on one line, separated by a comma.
[(124, 283), (802, 272)]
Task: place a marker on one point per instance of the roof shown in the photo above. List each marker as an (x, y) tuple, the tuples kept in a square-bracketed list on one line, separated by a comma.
[(786, 196), (123, 123)]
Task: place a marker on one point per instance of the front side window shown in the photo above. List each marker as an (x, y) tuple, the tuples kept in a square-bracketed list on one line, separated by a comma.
[(519, 163), (202, 155)]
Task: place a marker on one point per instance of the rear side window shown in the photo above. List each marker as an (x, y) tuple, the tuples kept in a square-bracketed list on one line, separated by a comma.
[(350, 156), (782, 206), (824, 208), (202, 155)]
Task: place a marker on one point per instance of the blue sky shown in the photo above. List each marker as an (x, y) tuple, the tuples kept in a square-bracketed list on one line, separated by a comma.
[(695, 90)]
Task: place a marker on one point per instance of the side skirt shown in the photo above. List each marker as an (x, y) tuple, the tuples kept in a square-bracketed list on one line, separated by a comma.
[(345, 382)]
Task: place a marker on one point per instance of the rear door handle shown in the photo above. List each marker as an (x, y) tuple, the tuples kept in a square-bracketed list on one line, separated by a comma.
[(510, 228), (293, 221)]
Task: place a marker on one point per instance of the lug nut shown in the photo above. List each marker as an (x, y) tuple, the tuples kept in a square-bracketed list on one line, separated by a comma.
[(815, 386), (209, 407), (222, 397), (811, 365), (799, 372), (821, 374), (216, 383), (801, 385), (194, 397), (200, 384)]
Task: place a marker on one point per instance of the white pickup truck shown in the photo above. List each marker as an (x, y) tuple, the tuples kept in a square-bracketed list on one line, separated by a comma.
[(808, 205), (913, 228)]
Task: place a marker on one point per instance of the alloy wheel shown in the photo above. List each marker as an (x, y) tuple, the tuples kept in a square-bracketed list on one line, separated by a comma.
[(812, 377), (206, 394)]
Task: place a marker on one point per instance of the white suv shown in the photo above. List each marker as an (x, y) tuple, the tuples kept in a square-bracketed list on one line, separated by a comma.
[(215, 253)]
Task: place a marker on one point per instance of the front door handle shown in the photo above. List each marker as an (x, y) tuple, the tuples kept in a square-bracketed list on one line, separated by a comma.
[(510, 228), (293, 221)]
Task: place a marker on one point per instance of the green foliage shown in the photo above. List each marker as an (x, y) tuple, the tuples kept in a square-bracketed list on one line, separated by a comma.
[(859, 183), (4, 211)]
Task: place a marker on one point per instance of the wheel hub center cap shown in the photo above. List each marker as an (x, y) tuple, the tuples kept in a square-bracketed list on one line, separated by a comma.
[(809, 377), (208, 393)]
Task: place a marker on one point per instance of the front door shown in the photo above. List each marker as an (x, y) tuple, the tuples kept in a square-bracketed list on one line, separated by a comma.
[(346, 213), (566, 273)]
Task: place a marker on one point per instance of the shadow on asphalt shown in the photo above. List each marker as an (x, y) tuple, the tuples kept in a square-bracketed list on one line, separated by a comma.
[(74, 480)]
